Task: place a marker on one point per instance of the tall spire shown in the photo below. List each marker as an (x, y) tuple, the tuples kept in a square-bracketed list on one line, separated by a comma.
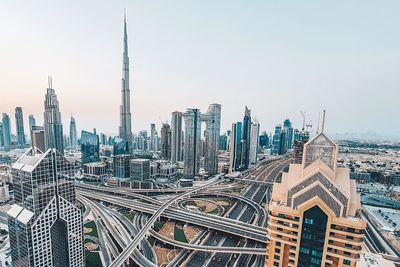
[(125, 130)]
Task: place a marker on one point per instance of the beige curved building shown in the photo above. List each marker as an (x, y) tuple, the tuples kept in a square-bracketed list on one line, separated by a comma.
[(314, 212)]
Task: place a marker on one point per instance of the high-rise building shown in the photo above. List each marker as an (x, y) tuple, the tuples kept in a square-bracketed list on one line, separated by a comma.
[(245, 142), (19, 122), (73, 136), (121, 164), (119, 146), (32, 121), (53, 129), (264, 140), (176, 137), (289, 129), (1, 134), (223, 142), (254, 141), (6, 129), (37, 138), (140, 169), (276, 140), (125, 128), (235, 147), (153, 137), (166, 141), (314, 215), (212, 119), (45, 224), (192, 149), (90, 147)]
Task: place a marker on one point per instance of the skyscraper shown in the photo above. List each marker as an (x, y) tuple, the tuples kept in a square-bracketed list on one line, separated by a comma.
[(73, 137), (166, 141), (191, 161), (1, 135), (32, 122), (213, 125), (45, 224), (90, 147), (245, 142), (254, 141), (153, 137), (314, 215), (125, 128), (53, 129), (287, 125), (176, 137), (235, 147), (37, 138), (6, 129), (19, 122), (276, 140)]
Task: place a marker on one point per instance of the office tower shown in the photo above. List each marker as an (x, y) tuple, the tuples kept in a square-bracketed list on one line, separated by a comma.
[(32, 122), (19, 122), (119, 146), (191, 160), (37, 138), (45, 224), (152, 137), (73, 136), (103, 139), (122, 167), (223, 142), (166, 141), (53, 129), (90, 147), (125, 128), (254, 138), (1, 135), (176, 137), (245, 142), (235, 147), (287, 125), (6, 129), (212, 119), (276, 142), (314, 212), (140, 169), (283, 141), (264, 140)]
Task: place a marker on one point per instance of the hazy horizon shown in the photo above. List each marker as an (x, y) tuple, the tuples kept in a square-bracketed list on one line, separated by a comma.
[(276, 58)]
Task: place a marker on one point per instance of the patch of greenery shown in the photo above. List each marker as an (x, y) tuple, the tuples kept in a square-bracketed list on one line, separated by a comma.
[(92, 225), (93, 259), (158, 225), (179, 235)]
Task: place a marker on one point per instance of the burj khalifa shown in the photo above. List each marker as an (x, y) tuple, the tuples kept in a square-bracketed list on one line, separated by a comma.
[(125, 128)]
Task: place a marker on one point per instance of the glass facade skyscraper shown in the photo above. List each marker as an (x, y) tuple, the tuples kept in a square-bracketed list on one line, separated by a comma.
[(212, 119), (6, 129), (19, 122), (176, 137), (90, 147), (45, 224), (191, 159), (73, 136)]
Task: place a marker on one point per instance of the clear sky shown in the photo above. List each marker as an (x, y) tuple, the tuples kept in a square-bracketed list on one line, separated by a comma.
[(277, 57)]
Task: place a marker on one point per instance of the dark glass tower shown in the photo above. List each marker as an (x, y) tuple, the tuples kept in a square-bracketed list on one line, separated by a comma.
[(6, 130), (19, 122), (90, 147), (245, 144)]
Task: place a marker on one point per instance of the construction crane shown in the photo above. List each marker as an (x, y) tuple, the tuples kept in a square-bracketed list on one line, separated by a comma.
[(305, 125)]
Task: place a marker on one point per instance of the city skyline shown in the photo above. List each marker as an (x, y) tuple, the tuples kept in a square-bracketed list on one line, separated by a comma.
[(270, 68)]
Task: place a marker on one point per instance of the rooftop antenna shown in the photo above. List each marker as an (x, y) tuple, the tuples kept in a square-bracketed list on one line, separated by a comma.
[(323, 121), (50, 81)]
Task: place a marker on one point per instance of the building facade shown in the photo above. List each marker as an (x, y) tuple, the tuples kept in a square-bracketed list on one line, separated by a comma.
[(314, 215), (166, 141), (73, 136), (6, 127), (254, 141), (37, 139), (19, 122), (140, 169), (53, 129), (245, 142), (121, 165), (192, 149), (235, 147), (90, 147), (212, 119), (176, 137), (45, 224)]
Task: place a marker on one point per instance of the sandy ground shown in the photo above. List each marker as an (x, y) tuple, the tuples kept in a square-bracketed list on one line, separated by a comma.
[(87, 230), (208, 205), (190, 232), (223, 203), (168, 230), (164, 256), (91, 246)]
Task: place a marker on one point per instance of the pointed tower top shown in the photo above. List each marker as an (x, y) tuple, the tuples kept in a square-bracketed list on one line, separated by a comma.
[(50, 81)]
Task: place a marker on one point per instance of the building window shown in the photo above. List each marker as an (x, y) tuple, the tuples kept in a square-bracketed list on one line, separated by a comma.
[(346, 262)]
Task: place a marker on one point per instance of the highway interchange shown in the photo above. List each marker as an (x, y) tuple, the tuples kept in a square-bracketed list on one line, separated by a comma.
[(236, 237)]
